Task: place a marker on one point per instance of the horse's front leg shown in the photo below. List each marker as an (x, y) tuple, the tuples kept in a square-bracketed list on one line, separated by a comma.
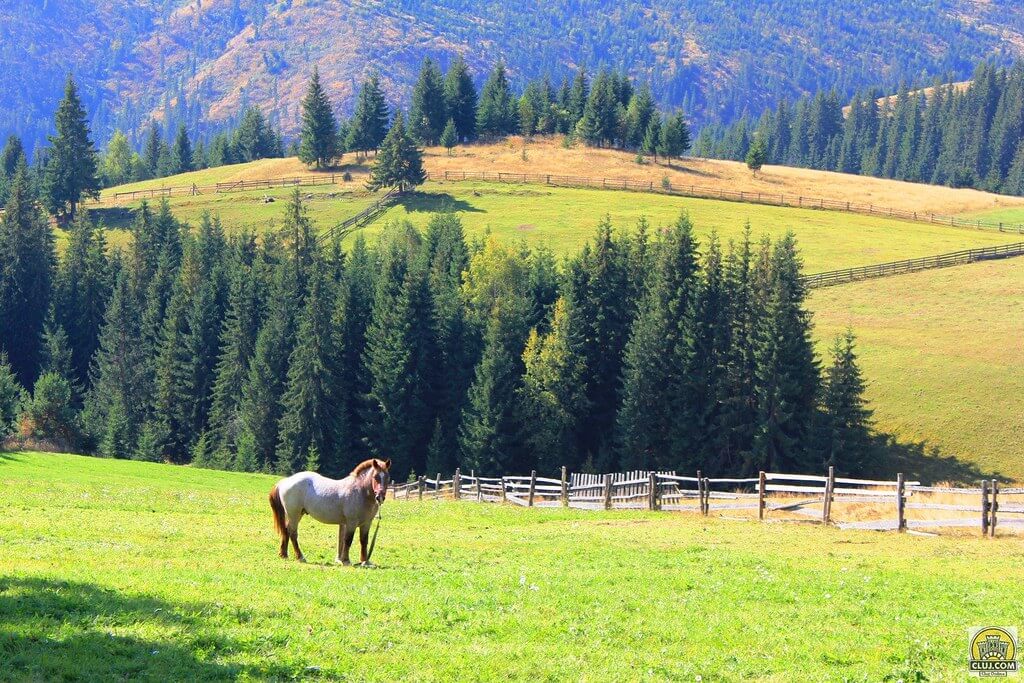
[(364, 536), (344, 543)]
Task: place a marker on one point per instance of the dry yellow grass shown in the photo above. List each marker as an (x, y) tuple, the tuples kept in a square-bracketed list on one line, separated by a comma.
[(549, 156)]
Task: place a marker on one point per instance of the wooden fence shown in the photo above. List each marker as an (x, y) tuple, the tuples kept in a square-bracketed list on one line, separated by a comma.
[(956, 258), (342, 229), (663, 187), (827, 499), (684, 190)]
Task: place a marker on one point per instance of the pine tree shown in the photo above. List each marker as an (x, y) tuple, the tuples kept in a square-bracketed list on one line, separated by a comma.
[(26, 275), (787, 371), (152, 150), (757, 155), (460, 99), (12, 398), (638, 117), (553, 396), (116, 406), (119, 161), (253, 138), (846, 419), (490, 435), (449, 138), (319, 137), (428, 114), (400, 162), (578, 95), (656, 421), (355, 302), (181, 153), (674, 138), (496, 115), (369, 123), (313, 417), (652, 137), (72, 164)]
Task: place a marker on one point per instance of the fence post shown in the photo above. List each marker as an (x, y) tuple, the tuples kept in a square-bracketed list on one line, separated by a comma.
[(422, 485), (760, 495), (457, 483), (700, 491), (994, 508), (984, 507), (901, 522), (607, 492), (652, 488), (533, 486), (504, 493), (565, 487), (826, 512), (707, 496), (479, 491)]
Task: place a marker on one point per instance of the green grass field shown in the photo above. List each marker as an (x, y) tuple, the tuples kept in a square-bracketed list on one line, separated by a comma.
[(943, 356), (564, 218), (115, 570)]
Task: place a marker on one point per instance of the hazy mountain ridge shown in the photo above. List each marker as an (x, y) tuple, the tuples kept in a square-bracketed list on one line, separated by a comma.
[(197, 61)]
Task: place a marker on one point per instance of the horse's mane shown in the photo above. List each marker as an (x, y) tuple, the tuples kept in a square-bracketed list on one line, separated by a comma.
[(367, 464)]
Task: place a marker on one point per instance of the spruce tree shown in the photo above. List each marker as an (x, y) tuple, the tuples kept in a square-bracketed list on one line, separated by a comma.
[(71, 169), (496, 115), (674, 139), (428, 113), (757, 155), (81, 292), (652, 137), (26, 275), (119, 160), (319, 138), (461, 99), (553, 395), (152, 149), (491, 433), (181, 153), (313, 417), (354, 310), (369, 123), (399, 163), (449, 137), (12, 398), (846, 419)]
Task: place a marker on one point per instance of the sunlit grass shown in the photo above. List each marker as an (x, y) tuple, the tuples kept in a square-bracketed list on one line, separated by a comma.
[(116, 569)]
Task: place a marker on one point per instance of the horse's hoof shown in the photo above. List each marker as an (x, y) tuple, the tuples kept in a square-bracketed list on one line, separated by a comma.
[(344, 563), (367, 565), (301, 559)]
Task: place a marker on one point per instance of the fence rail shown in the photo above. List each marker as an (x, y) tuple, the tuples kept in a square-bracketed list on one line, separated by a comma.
[(868, 504), (956, 258), (661, 187), (684, 190), (360, 219)]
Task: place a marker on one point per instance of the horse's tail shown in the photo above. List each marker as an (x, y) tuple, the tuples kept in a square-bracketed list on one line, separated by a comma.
[(278, 509)]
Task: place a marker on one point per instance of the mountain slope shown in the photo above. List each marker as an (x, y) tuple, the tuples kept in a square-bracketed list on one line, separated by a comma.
[(199, 60)]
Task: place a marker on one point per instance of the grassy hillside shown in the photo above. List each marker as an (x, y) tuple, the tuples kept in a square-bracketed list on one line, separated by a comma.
[(942, 353), (115, 569)]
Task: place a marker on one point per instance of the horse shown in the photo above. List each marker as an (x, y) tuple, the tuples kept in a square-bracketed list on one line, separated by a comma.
[(350, 503)]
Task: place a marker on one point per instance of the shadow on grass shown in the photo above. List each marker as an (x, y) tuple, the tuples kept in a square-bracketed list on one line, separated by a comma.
[(922, 462), (113, 216), (62, 630), (435, 202)]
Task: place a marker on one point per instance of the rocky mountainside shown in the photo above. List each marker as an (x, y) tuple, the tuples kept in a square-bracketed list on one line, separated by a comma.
[(200, 61)]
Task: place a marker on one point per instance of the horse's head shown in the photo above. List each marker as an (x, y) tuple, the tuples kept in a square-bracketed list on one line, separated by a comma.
[(381, 478)]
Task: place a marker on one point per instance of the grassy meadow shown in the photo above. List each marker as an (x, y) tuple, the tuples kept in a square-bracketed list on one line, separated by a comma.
[(564, 218), (124, 570), (942, 354)]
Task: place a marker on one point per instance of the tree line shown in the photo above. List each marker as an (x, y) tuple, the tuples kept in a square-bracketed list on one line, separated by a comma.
[(275, 353), (961, 137)]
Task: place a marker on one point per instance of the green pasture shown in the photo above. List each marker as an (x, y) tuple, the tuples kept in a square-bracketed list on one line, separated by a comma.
[(942, 354), (117, 570), (564, 218)]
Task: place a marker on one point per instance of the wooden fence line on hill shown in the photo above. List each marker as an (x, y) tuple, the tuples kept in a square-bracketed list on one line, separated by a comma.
[(683, 190), (365, 216), (888, 502), (955, 258)]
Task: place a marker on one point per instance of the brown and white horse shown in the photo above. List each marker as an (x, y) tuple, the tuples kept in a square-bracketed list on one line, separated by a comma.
[(350, 503)]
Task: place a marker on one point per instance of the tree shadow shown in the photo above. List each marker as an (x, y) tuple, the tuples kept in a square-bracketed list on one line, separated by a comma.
[(435, 202), (63, 630), (924, 462), (113, 217)]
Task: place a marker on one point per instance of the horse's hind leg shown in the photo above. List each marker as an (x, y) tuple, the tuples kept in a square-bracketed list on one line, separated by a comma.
[(344, 541), (293, 533)]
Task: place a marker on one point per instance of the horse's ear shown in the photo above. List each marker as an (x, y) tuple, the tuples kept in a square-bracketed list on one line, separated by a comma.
[(387, 464)]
